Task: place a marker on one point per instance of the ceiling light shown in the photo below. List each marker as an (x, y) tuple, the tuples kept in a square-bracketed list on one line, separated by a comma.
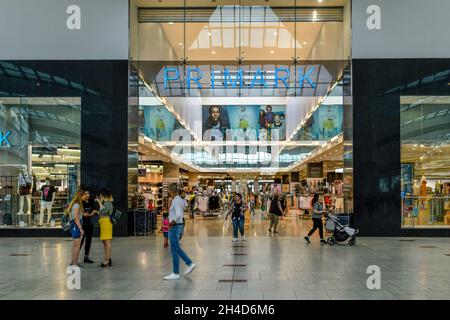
[(180, 44), (209, 33), (213, 52), (272, 52), (171, 22), (275, 33), (305, 43)]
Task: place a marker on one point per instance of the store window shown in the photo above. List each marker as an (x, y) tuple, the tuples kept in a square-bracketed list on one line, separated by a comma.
[(39, 159), (425, 161)]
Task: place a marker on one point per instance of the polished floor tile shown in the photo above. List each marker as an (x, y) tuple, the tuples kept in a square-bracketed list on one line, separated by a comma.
[(274, 267)]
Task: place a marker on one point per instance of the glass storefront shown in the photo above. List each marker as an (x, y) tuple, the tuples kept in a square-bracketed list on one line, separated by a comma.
[(425, 161), (40, 159), (249, 90)]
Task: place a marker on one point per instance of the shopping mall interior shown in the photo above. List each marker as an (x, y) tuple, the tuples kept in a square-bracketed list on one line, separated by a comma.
[(225, 96), (254, 97)]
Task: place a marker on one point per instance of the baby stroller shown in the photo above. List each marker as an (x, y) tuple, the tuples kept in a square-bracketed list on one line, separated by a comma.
[(341, 231)]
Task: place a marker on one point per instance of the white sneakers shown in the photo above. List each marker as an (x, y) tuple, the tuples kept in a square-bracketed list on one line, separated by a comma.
[(235, 239), (244, 238), (190, 269), (174, 276)]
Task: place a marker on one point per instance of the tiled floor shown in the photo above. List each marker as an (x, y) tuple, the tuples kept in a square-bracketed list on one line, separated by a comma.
[(274, 267)]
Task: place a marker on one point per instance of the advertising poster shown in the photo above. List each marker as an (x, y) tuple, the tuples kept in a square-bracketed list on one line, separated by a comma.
[(159, 123), (315, 170), (325, 123), (407, 179), (73, 181), (244, 123)]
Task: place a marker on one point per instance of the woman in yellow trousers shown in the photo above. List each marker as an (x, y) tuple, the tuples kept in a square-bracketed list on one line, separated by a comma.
[(106, 228)]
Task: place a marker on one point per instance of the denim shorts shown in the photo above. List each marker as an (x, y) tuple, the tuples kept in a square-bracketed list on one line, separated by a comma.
[(75, 231), (166, 234)]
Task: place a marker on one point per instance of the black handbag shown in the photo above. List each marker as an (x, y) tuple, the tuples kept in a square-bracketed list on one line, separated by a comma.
[(115, 216)]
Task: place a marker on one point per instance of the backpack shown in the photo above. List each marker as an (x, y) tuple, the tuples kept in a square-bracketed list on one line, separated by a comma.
[(65, 221)]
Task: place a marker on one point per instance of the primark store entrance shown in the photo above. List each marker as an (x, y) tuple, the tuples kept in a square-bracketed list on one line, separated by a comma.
[(241, 97)]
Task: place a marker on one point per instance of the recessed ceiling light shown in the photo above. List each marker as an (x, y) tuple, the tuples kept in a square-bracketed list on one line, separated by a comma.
[(171, 22), (305, 43), (275, 33), (272, 52), (209, 33), (213, 52), (180, 44)]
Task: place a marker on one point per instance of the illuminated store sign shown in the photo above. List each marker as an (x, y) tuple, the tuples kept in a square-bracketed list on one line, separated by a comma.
[(4, 142), (277, 78)]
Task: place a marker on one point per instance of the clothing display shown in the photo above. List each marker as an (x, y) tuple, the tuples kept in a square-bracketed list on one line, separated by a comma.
[(25, 182), (47, 192), (305, 202), (339, 204), (203, 203), (24, 188)]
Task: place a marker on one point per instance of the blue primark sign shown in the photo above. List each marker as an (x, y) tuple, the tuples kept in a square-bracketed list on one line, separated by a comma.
[(4, 142), (279, 77)]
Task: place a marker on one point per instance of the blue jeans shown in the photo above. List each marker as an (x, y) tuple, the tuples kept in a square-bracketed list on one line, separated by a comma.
[(238, 223), (174, 236)]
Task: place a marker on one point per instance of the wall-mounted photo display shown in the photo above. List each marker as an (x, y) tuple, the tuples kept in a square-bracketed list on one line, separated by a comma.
[(244, 123)]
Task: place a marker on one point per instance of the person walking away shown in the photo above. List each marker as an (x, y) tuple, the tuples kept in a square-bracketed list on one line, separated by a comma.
[(237, 211), (89, 210), (76, 230), (252, 204), (317, 212), (275, 212), (176, 213), (106, 228), (192, 204), (165, 228)]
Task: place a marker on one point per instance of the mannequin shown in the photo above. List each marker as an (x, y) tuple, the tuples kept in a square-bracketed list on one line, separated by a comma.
[(24, 188), (423, 192), (48, 193)]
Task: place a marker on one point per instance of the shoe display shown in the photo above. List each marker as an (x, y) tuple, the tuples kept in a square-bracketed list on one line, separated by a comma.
[(190, 269), (172, 276)]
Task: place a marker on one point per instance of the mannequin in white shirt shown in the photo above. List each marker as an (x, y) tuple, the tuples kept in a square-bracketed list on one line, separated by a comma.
[(24, 188)]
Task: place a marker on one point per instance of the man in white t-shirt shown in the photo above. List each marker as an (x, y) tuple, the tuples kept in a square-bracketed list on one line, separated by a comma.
[(176, 214)]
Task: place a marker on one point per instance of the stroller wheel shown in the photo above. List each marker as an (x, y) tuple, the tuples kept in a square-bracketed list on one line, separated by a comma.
[(352, 242), (331, 241)]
